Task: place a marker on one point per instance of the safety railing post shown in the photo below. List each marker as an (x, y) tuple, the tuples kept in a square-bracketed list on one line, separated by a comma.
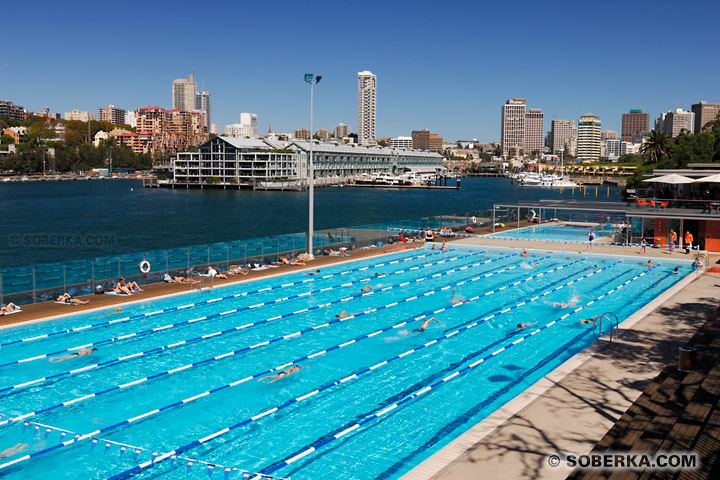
[(2, 296), (208, 256), (64, 278), (92, 274), (188, 263), (167, 261), (34, 287), (119, 267), (227, 256), (245, 257)]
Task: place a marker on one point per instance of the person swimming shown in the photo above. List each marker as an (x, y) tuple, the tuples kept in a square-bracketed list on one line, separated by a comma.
[(81, 353), (425, 324), (282, 374), (520, 326), (366, 288)]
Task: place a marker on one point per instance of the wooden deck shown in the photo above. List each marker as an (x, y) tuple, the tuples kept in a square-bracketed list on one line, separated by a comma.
[(678, 412)]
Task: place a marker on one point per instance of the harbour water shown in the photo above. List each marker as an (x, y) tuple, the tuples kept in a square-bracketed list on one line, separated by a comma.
[(59, 221)]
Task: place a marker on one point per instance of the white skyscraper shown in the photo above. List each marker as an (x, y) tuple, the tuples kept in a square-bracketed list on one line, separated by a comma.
[(202, 105), (512, 134), (674, 121), (367, 88), (184, 91)]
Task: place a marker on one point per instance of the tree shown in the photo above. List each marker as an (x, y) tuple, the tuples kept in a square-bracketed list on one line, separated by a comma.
[(382, 143), (630, 158), (6, 139), (655, 146)]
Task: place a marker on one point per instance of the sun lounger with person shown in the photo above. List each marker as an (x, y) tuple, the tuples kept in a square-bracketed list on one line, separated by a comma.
[(67, 298), (9, 308)]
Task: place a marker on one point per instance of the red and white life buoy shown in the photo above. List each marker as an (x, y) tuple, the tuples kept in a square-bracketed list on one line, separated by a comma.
[(144, 266)]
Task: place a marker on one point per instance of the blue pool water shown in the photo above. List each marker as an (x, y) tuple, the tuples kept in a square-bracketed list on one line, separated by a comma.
[(567, 233), (361, 399)]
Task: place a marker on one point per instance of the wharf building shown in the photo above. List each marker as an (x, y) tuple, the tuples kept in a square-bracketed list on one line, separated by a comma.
[(633, 122), (252, 163), (704, 113), (367, 100)]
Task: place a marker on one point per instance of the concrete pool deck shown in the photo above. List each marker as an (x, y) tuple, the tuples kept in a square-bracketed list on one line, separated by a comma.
[(566, 412), (573, 407)]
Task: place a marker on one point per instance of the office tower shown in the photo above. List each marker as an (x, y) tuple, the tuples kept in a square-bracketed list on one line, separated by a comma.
[(674, 121), (633, 122), (202, 105), (367, 89), (512, 135), (401, 142), (341, 130), (534, 127), (562, 130), (421, 139), (183, 91), (588, 143), (704, 113), (323, 135), (435, 143), (80, 116), (605, 134), (302, 134), (613, 147), (113, 115)]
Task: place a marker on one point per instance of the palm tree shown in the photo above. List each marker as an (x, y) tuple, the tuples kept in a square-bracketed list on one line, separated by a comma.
[(655, 146)]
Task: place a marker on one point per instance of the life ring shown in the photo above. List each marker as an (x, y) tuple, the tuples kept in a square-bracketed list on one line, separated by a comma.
[(144, 266)]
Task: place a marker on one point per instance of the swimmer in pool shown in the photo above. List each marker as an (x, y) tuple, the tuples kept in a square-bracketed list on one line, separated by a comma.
[(649, 263), (81, 353), (282, 374), (117, 310), (587, 320), (9, 452), (312, 273), (366, 288), (520, 326), (425, 324), (523, 254)]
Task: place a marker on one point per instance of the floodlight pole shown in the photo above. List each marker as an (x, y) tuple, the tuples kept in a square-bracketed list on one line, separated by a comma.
[(311, 168)]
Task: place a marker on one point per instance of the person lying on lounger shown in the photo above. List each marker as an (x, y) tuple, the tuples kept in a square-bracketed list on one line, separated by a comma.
[(282, 374), (286, 261), (236, 270), (9, 308), (214, 273), (66, 298), (86, 351)]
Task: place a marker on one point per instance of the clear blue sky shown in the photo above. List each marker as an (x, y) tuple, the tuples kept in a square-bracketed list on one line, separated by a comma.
[(445, 66)]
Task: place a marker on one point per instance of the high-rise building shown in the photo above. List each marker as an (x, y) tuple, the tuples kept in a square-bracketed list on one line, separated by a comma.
[(561, 131), (302, 134), (421, 139), (588, 143), (534, 128), (613, 147), (80, 116), (367, 90), (131, 118), (111, 114), (401, 142), (250, 120), (704, 113), (605, 134), (183, 92), (674, 121), (633, 122), (323, 135), (248, 126), (12, 111), (512, 134), (436, 143), (341, 130), (202, 105)]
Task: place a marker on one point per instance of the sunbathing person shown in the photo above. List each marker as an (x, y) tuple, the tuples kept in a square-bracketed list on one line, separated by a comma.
[(179, 279), (9, 308), (214, 273), (66, 298), (282, 374), (236, 270), (86, 351)]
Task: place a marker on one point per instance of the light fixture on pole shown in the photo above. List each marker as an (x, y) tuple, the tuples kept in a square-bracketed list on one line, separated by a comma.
[(311, 169)]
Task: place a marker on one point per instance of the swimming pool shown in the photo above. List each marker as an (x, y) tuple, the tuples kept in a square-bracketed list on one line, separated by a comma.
[(373, 399), (567, 233)]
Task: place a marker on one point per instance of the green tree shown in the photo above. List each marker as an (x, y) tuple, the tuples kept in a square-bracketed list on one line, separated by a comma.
[(6, 139), (382, 143), (655, 147)]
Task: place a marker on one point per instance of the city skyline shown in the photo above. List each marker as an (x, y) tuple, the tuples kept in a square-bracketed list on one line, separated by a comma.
[(463, 104)]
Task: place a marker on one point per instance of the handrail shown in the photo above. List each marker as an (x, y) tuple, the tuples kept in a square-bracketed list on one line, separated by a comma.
[(202, 279), (597, 321)]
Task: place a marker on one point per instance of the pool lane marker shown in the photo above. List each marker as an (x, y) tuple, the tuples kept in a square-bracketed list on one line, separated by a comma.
[(218, 315), (380, 411), (137, 450), (95, 433), (247, 325), (297, 334), (153, 462), (213, 300)]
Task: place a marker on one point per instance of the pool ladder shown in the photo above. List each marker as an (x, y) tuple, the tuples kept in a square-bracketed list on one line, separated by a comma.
[(598, 321), (202, 280)]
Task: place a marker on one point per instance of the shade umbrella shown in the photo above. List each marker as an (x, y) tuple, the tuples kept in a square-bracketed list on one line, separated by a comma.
[(673, 179), (710, 179)]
